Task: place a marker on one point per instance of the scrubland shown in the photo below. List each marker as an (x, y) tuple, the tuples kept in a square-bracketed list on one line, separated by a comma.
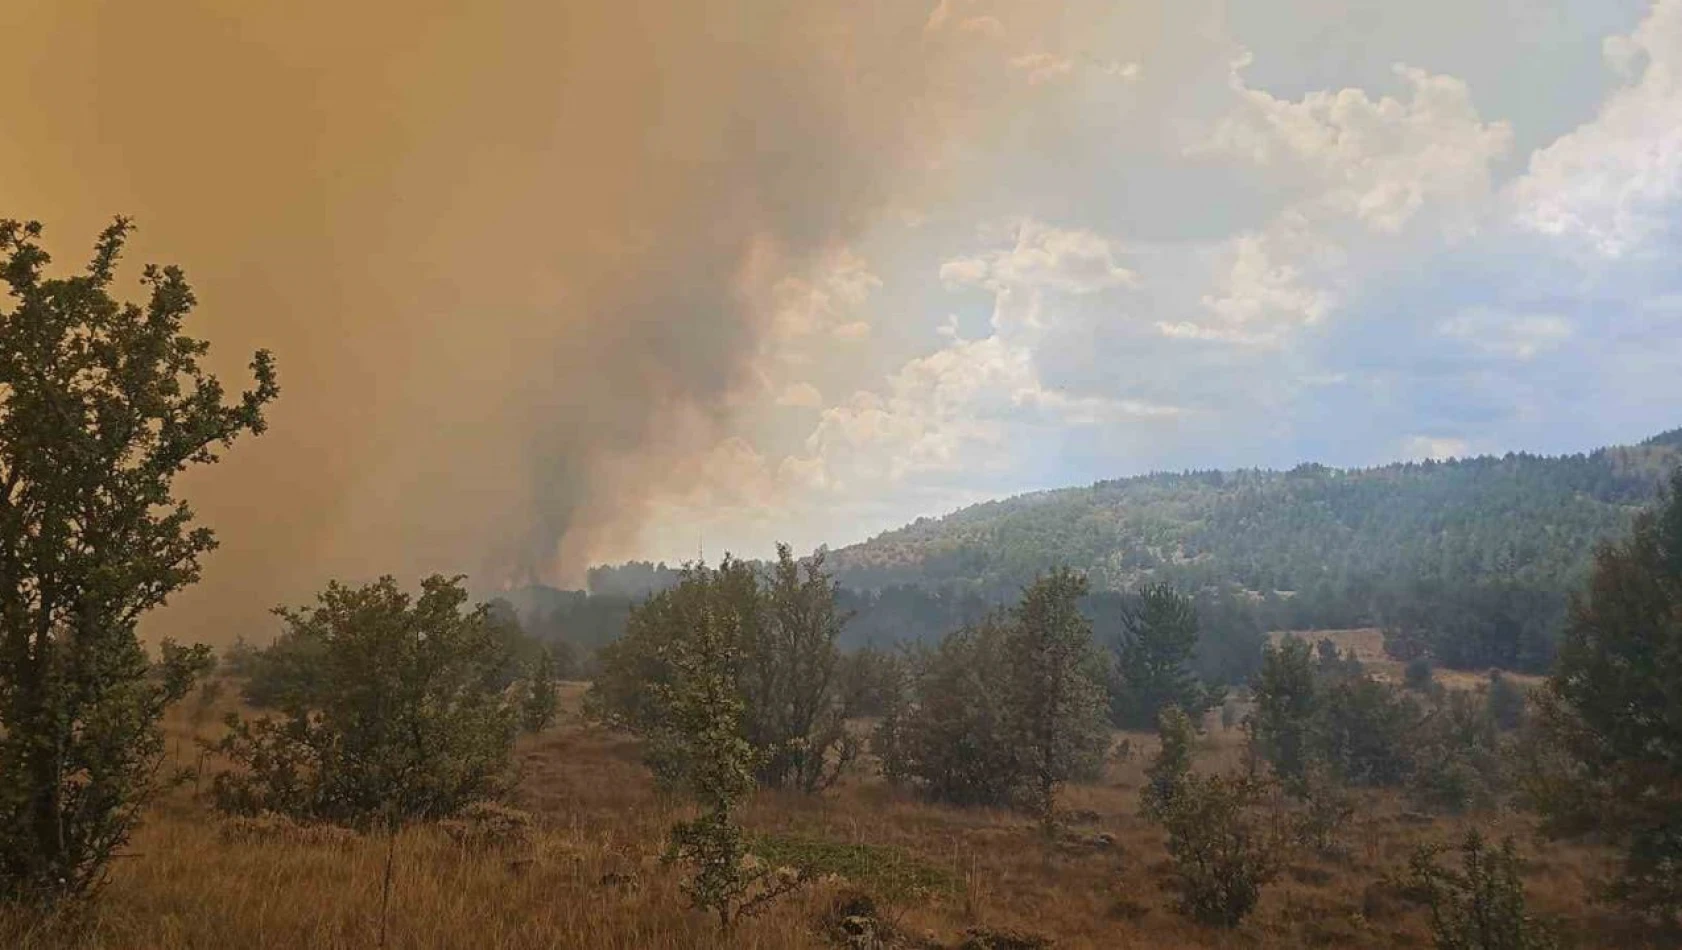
[(588, 873)]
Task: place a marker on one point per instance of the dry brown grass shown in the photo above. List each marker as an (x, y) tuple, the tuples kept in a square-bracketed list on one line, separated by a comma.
[(591, 876)]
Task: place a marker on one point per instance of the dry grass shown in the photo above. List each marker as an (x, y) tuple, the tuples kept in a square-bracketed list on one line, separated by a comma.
[(590, 876)]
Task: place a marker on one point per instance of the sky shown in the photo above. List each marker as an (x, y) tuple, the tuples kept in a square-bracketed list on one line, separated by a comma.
[(552, 284)]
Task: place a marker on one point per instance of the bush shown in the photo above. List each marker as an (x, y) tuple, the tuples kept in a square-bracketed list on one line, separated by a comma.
[(1481, 906), (950, 737), (1223, 851), (1457, 757), (403, 720), (1417, 674), (785, 667), (1003, 712), (1507, 702)]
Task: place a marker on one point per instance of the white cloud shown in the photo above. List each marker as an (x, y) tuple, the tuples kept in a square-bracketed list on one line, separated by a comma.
[(1517, 335), (1377, 160), (1438, 448), (1364, 171), (800, 395), (1613, 183), (1044, 258)]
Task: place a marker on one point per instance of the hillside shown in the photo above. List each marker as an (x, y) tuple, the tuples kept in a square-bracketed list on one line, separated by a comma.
[(1535, 518), (1470, 560)]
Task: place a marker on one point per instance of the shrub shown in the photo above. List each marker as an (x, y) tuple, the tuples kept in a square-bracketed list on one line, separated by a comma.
[(1457, 757), (1417, 674), (785, 669), (1287, 702), (1224, 852), (541, 704), (1005, 711), (1507, 702), (950, 737), (703, 703), (482, 826), (404, 721), (1482, 905)]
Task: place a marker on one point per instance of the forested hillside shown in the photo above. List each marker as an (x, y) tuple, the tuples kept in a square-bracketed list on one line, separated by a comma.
[(1468, 559)]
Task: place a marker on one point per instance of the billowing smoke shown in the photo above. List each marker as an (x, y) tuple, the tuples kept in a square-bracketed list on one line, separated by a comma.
[(506, 253)]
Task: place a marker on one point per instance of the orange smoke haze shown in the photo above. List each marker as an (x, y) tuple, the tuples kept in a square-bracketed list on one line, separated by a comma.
[(501, 250)]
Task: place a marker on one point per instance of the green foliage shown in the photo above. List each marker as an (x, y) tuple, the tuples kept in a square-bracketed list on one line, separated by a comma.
[(887, 872), (1486, 547), (949, 735), (102, 405), (1153, 659), (541, 703), (1286, 705), (1417, 675), (1613, 710), (1168, 770), (1055, 701), (1224, 849), (703, 708), (786, 669), (1481, 906), (1005, 711), (1457, 758), (1362, 730), (403, 720)]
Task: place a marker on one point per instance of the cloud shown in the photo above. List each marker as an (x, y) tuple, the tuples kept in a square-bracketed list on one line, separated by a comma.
[(1612, 184), (1438, 448), (800, 395), (1074, 261), (1520, 336), (1377, 160)]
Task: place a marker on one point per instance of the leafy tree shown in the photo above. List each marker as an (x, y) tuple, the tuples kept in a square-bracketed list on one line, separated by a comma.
[(704, 706), (952, 737), (1056, 700), (796, 704), (102, 405), (1456, 756), (405, 721), (787, 669), (1286, 701), (1613, 707), (541, 703), (1168, 770), (1362, 730), (1223, 852), (1482, 905), (1154, 658)]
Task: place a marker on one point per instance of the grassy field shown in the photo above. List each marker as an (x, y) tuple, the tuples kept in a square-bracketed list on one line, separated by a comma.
[(592, 877)]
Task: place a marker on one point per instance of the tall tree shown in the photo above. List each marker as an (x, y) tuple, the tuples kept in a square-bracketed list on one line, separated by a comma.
[(1286, 703), (1614, 708), (1154, 659), (102, 405), (1056, 698)]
